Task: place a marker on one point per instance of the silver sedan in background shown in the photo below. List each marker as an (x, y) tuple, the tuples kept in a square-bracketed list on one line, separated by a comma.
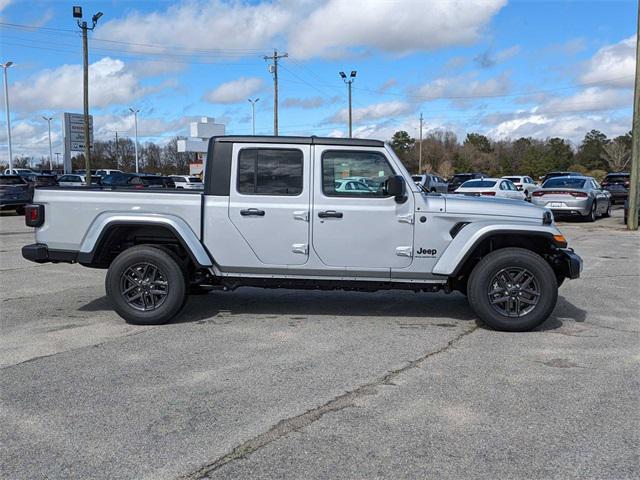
[(574, 196)]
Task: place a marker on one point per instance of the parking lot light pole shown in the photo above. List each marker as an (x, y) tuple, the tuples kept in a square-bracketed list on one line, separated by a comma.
[(135, 125), (77, 13), (5, 66), (349, 82), (48, 119), (634, 180), (253, 113), (57, 154)]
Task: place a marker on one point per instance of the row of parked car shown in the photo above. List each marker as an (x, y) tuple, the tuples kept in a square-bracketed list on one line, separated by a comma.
[(17, 185), (565, 193)]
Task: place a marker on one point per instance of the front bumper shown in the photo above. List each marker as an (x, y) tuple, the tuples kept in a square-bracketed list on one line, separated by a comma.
[(40, 253), (570, 263)]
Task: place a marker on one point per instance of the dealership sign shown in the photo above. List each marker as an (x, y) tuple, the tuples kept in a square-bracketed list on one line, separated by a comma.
[(74, 132)]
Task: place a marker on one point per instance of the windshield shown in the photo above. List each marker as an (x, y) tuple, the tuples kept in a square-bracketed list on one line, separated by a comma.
[(617, 178), (478, 184), (565, 182), (11, 181)]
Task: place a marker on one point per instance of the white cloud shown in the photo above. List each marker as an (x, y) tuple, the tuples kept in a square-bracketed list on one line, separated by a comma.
[(589, 100), (572, 127), (340, 27), (61, 88), (235, 91), (4, 4), (463, 86), (613, 64), (308, 102), (106, 126), (214, 24), (372, 112)]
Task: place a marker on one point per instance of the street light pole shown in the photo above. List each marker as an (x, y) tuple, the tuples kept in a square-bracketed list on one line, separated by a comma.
[(135, 123), (420, 156), (57, 154), (48, 119), (5, 66), (253, 113), (77, 13), (349, 82)]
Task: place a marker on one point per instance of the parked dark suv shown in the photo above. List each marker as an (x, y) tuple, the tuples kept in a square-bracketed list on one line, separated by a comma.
[(14, 193), (618, 185), (459, 178)]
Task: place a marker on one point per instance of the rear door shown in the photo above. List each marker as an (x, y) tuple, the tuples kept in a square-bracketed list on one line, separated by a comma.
[(359, 229), (269, 201)]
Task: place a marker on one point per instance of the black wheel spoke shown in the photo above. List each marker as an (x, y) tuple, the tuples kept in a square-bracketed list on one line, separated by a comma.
[(513, 292), (144, 287)]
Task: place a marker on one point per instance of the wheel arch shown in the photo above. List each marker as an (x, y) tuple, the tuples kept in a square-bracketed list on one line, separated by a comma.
[(111, 234)]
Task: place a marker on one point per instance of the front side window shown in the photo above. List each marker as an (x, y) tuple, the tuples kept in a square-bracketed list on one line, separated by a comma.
[(263, 171), (347, 173)]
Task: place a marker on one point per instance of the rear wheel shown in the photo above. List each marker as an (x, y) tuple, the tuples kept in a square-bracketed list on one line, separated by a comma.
[(513, 289), (592, 215), (607, 212), (146, 285)]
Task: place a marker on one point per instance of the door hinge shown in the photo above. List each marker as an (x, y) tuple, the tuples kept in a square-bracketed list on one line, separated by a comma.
[(408, 218), (301, 215), (302, 248), (404, 251)]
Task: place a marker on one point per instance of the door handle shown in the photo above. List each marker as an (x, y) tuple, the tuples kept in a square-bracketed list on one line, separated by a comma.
[(330, 214), (252, 212)]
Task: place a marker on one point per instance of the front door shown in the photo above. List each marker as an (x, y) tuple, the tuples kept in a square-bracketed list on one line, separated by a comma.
[(355, 224), (269, 201)]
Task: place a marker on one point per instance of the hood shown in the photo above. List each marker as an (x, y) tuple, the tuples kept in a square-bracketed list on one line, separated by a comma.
[(503, 207)]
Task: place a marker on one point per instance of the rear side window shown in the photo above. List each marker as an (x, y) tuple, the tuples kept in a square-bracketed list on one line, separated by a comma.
[(348, 173), (267, 171)]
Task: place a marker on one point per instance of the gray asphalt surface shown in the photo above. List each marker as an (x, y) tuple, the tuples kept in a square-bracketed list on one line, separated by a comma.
[(286, 384)]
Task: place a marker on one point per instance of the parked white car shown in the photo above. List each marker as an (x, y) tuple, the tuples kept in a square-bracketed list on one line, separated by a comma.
[(524, 184), (75, 180), (491, 187), (355, 186), (18, 171), (188, 182)]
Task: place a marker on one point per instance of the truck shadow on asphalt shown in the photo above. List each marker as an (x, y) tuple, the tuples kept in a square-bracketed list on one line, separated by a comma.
[(288, 303)]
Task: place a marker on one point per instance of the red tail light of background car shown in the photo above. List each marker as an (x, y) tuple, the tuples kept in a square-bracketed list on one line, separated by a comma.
[(541, 193)]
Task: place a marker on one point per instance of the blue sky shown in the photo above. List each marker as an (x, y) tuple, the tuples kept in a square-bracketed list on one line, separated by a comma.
[(506, 69)]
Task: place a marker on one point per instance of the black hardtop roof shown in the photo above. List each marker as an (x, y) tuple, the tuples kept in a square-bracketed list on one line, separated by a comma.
[(352, 142)]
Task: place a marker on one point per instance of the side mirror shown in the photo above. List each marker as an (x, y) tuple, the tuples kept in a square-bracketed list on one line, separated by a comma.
[(395, 186)]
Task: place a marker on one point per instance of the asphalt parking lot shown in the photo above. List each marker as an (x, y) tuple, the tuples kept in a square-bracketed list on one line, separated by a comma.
[(287, 384)]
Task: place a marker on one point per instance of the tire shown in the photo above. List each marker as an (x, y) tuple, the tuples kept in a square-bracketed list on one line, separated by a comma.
[(607, 212), (592, 215), (507, 264), (128, 273)]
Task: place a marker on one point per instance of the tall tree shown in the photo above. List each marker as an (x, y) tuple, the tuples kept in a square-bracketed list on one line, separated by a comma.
[(590, 151), (479, 141), (616, 154)]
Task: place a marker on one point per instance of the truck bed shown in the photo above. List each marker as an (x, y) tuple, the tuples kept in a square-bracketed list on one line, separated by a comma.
[(73, 210)]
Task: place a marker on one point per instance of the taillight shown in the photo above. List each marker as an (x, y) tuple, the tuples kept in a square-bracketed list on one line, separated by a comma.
[(626, 184), (605, 184), (578, 194), (34, 215), (489, 194), (537, 193)]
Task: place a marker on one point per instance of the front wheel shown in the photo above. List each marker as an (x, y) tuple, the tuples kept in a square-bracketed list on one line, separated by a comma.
[(513, 289), (146, 286)]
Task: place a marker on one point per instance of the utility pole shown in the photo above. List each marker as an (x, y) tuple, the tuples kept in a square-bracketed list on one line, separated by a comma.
[(48, 119), (57, 154), (117, 153), (634, 181), (5, 66), (135, 123), (253, 113), (77, 13), (420, 155), (349, 82), (274, 69)]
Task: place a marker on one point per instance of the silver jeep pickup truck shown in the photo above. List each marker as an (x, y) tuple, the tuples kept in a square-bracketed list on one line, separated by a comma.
[(305, 212)]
